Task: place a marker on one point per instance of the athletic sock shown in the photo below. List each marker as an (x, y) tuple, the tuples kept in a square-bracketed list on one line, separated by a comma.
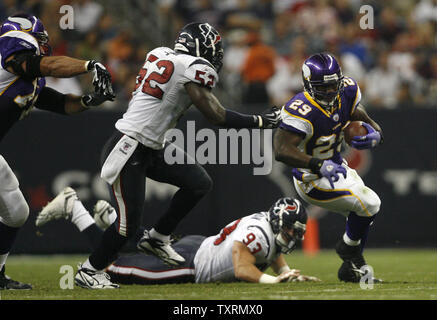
[(80, 216), (156, 235), (94, 235), (357, 227), (107, 250), (182, 203), (7, 238)]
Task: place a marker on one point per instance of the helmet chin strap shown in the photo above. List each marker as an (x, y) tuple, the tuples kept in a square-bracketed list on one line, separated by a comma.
[(286, 247)]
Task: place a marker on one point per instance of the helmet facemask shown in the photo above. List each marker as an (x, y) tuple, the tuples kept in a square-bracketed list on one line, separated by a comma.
[(288, 221)]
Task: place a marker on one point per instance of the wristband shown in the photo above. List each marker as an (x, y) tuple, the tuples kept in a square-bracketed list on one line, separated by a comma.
[(284, 269), (315, 164), (266, 278)]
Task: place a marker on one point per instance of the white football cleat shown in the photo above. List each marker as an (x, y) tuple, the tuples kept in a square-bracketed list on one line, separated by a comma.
[(160, 249), (90, 279), (60, 207), (104, 214)]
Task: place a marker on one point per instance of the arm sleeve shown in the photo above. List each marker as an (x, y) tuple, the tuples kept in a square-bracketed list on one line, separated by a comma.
[(51, 100)]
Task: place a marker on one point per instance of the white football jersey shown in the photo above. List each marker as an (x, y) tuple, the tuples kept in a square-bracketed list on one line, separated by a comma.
[(160, 99), (213, 260)]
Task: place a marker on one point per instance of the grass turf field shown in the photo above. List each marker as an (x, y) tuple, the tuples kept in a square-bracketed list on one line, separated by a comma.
[(409, 275)]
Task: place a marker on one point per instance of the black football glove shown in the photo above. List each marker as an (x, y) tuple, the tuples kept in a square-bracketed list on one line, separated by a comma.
[(270, 118), (94, 99), (102, 79)]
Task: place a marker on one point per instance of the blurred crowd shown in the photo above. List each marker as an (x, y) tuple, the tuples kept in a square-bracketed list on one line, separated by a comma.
[(266, 42)]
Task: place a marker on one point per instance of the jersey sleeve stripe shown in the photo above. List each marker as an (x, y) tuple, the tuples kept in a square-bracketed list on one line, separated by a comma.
[(201, 61), (300, 118), (292, 129)]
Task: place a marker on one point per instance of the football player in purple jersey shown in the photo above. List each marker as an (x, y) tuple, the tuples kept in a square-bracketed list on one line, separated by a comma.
[(309, 140), (24, 62)]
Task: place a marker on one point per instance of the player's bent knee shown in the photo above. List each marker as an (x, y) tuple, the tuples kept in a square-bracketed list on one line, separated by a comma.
[(18, 210), (373, 204), (203, 186)]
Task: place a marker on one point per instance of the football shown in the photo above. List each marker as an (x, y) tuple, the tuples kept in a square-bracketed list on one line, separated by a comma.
[(355, 128)]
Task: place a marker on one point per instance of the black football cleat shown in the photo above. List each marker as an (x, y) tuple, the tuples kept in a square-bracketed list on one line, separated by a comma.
[(7, 283), (353, 260)]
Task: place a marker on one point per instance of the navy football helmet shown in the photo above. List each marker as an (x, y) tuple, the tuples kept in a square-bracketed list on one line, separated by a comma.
[(201, 40), (29, 24), (288, 219), (323, 79)]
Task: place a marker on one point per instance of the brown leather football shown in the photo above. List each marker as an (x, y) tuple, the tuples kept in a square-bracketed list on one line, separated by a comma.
[(355, 128)]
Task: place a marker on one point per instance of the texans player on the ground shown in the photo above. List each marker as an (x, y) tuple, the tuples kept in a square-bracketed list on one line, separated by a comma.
[(242, 250), (310, 139), (25, 61), (170, 81)]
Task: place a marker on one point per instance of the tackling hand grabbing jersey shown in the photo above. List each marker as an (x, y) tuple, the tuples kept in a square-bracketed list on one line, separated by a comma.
[(242, 250), (25, 62)]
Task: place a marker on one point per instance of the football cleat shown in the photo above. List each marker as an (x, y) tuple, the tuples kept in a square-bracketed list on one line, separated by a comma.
[(160, 249), (348, 272), (104, 214), (7, 283), (353, 262), (90, 279), (60, 207)]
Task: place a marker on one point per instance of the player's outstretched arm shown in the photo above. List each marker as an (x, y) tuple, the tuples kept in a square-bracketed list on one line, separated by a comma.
[(54, 101), (29, 66), (215, 113)]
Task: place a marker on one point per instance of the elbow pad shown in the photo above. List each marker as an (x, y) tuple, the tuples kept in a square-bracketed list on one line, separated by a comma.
[(32, 60)]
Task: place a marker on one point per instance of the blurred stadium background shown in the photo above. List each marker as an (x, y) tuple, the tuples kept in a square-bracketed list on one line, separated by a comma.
[(266, 42)]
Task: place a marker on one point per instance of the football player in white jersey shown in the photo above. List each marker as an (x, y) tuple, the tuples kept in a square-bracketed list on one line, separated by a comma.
[(242, 250), (25, 61), (169, 82)]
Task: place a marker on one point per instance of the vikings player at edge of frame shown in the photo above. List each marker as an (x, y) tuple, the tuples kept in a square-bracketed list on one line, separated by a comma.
[(309, 139), (25, 61)]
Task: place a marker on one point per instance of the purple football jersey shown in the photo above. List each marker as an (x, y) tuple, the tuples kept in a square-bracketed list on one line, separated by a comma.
[(320, 129), (17, 95)]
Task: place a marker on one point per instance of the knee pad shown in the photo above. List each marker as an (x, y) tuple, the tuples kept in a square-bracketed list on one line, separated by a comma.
[(371, 203), (15, 210), (8, 180)]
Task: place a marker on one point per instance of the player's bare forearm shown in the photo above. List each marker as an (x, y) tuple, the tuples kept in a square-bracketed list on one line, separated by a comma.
[(279, 264), (73, 104), (207, 103), (285, 146), (62, 66), (244, 263), (360, 114)]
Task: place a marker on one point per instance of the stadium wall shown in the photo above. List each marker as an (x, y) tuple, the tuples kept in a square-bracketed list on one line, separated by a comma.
[(48, 152)]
